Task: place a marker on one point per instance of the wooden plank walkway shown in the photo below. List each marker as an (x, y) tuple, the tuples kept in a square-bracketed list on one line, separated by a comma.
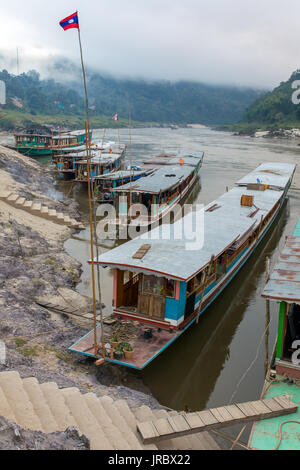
[(64, 309), (191, 423)]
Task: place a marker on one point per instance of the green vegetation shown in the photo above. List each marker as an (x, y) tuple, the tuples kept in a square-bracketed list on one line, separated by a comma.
[(29, 351), (272, 110), (20, 342), (32, 100)]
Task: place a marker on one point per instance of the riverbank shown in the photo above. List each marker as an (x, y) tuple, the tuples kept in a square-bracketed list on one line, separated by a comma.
[(34, 266)]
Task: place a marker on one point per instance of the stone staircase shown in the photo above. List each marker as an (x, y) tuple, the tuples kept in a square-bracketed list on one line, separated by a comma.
[(109, 424), (36, 208)]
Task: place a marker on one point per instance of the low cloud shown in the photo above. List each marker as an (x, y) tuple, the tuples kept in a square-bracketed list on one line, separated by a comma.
[(249, 43)]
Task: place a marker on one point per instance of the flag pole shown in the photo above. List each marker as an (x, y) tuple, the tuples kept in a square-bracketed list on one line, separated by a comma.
[(87, 133)]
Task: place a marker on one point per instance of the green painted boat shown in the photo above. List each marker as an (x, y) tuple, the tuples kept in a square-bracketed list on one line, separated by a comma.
[(283, 432), (35, 145)]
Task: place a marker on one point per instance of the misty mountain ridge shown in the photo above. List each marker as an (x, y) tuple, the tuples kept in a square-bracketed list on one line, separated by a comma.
[(146, 101)]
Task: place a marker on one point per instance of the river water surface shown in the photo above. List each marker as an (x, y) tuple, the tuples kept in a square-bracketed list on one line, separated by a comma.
[(204, 367)]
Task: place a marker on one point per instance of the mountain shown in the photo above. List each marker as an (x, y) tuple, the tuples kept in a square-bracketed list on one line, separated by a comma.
[(146, 102), (274, 109)]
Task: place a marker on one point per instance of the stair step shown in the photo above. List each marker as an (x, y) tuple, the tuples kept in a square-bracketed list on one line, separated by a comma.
[(45, 210), (5, 408), (12, 387), (28, 204), (5, 194), (40, 405), (13, 198), (67, 219), (57, 405), (111, 431), (52, 212), (86, 421), (118, 420), (60, 216), (37, 206), (20, 201)]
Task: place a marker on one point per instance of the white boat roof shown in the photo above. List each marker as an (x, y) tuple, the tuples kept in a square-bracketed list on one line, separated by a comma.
[(97, 145), (122, 174), (275, 175), (221, 229), (166, 177)]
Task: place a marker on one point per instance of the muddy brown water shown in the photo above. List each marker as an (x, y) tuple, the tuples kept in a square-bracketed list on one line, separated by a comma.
[(204, 366)]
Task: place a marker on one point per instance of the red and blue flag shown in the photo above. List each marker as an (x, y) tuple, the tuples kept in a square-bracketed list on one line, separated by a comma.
[(70, 22)]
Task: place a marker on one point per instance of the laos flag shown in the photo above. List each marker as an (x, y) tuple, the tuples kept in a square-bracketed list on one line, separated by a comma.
[(70, 22)]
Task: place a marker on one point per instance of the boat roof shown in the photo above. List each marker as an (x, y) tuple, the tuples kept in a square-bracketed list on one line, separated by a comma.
[(102, 158), (98, 145), (275, 175), (69, 134), (284, 283), (122, 174), (166, 177), (215, 230)]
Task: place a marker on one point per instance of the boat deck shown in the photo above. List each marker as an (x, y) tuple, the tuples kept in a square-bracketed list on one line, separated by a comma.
[(265, 434), (145, 350)]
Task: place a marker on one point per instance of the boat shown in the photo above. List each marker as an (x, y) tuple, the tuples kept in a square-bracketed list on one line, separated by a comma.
[(33, 144), (164, 280), (159, 192), (283, 377), (101, 163), (64, 158), (105, 185)]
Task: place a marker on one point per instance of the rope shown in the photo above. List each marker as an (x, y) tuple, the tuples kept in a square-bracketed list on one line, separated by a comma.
[(253, 362), (280, 431)]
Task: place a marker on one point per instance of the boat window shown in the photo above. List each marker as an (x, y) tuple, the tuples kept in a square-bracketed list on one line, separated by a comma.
[(170, 288), (153, 285)]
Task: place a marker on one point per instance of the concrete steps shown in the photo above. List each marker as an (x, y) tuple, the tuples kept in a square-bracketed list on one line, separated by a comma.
[(109, 424), (36, 208)]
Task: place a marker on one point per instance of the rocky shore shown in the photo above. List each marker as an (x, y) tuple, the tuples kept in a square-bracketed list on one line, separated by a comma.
[(272, 133), (34, 265)]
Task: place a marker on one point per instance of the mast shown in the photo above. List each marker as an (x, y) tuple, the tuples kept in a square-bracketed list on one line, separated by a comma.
[(91, 212)]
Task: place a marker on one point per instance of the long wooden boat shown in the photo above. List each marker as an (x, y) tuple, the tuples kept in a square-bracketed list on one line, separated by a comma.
[(101, 163), (162, 284), (284, 375), (159, 192), (33, 144)]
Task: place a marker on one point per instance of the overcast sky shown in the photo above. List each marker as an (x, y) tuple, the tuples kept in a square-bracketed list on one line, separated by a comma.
[(242, 42)]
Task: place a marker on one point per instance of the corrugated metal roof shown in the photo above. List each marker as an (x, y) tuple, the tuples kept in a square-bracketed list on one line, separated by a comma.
[(222, 227), (284, 283), (275, 175), (122, 174), (166, 177)]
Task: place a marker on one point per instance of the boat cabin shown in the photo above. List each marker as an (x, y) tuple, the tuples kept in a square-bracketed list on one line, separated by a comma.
[(36, 140), (283, 287), (161, 190), (105, 185), (100, 164)]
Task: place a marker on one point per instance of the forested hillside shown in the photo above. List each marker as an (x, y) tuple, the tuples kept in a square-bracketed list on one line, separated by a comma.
[(156, 102), (274, 109)]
